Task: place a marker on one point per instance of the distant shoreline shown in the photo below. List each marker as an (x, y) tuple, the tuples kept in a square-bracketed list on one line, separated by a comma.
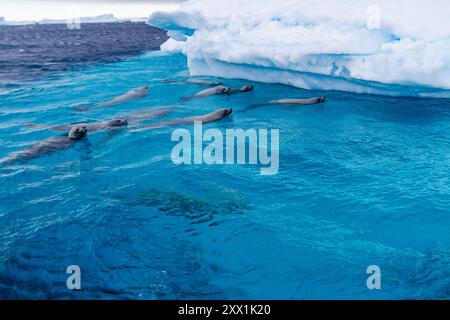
[(65, 23), (106, 18)]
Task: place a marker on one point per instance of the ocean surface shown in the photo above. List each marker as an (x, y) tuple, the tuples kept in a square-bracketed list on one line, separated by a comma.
[(363, 180), (29, 51)]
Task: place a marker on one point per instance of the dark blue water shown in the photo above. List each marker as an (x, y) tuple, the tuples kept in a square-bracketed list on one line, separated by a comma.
[(30, 51), (363, 180)]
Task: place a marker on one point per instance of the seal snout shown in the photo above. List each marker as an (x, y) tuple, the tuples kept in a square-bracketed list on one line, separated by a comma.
[(77, 132), (246, 88), (228, 111), (118, 122), (143, 91)]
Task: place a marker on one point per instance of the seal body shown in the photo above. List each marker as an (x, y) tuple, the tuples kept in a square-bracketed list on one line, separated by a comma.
[(196, 81), (206, 118), (203, 82), (105, 125), (135, 94), (47, 146), (143, 115), (137, 116), (40, 148), (212, 91), (90, 127), (314, 100)]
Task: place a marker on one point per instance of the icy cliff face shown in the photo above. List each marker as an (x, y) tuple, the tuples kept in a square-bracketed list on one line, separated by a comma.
[(397, 47)]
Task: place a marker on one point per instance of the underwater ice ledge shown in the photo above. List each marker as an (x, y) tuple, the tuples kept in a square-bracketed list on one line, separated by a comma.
[(306, 80)]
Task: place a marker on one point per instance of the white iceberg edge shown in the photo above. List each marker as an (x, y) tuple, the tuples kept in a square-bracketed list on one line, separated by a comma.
[(327, 46)]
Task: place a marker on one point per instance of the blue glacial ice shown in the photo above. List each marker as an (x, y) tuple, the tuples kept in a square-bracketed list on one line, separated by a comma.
[(397, 48)]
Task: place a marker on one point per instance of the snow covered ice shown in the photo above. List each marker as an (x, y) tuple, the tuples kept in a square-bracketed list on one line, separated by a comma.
[(383, 47)]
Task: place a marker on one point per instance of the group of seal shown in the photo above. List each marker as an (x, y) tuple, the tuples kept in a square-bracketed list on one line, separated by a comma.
[(76, 132)]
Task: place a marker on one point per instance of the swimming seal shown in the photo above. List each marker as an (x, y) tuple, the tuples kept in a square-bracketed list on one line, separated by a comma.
[(209, 92), (143, 115), (131, 95), (47, 146), (203, 82), (134, 117), (206, 118), (195, 81), (309, 101), (90, 127), (290, 102), (246, 88), (134, 94)]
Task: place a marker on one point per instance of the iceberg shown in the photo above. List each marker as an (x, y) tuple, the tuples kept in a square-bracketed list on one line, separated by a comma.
[(104, 18), (380, 47)]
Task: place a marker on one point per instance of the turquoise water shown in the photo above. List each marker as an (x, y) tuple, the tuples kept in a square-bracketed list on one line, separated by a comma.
[(364, 180)]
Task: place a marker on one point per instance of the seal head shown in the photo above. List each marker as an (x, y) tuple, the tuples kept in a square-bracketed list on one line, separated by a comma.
[(144, 90), (77, 132), (223, 113), (118, 122), (214, 116), (223, 90), (246, 88)]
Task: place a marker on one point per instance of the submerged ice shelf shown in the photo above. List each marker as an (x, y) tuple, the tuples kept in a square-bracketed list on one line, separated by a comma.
[(395, 48)]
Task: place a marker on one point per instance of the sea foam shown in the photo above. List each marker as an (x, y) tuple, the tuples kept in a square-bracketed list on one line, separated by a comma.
[(384, 47)]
